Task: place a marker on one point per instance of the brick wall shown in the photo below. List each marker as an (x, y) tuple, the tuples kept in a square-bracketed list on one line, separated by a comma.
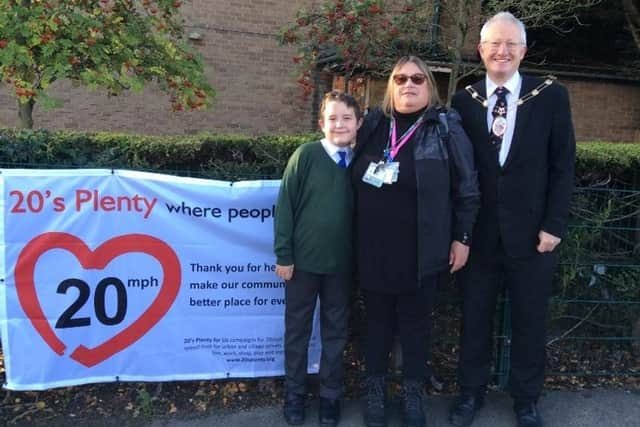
[(257, 92), (605, 111), (448, 17)]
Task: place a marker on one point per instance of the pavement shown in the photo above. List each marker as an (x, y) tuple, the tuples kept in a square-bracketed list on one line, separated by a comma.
[(589, 408)]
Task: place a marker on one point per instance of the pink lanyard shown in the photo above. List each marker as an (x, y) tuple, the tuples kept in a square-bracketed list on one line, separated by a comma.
[(396, 145)]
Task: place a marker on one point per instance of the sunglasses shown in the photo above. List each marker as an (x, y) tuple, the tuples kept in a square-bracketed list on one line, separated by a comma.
[(416, 79)]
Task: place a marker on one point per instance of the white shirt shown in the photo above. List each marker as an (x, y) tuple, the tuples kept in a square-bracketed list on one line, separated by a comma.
[(513, 85), (332, 151)]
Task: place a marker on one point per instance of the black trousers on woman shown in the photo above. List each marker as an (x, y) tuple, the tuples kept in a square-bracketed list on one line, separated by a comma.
[(409, 316)]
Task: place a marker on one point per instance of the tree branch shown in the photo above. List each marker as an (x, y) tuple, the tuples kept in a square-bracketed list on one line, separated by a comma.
[(632, 15), (574, 327)]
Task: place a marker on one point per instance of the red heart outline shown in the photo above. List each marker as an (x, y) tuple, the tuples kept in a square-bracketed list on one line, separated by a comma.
[(97, 259)]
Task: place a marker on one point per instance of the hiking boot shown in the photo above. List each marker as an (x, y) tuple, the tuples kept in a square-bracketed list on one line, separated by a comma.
[(412, 410), (293, 409), (329, 411), (374, 411)]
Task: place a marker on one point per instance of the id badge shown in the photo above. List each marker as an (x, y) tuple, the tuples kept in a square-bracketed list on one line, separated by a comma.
[(375, 174), (391, 172)]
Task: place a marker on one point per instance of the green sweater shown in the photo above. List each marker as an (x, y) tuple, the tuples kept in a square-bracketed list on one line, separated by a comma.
[(314, 213)]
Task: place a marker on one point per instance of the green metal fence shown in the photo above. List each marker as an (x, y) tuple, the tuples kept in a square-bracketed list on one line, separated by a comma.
[(594, 314)]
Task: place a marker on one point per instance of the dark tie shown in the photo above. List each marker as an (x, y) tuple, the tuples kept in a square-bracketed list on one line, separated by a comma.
[(343, 159), (499, 124)]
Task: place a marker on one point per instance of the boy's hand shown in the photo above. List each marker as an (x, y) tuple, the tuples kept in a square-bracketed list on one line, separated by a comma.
[(284, 271), (458, 255)]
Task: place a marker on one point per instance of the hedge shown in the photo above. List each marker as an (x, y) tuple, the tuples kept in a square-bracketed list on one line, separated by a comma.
[(600, 255), (238, 157), (206, 155)]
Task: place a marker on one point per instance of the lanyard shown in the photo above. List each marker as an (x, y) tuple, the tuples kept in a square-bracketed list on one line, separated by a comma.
[(396, 145)]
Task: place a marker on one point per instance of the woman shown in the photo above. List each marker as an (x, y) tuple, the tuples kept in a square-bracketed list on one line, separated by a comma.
[(417, 196)]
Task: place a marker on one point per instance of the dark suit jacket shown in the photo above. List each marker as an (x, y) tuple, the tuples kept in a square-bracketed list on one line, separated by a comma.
[(532, 191)]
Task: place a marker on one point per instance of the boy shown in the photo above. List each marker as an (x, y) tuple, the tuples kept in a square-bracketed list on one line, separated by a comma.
[(313, 250)]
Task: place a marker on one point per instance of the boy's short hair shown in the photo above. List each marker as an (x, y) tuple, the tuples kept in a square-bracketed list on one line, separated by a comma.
[(345, 98)]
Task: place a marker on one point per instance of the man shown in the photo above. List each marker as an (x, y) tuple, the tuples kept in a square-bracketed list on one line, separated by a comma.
[(524, 145)]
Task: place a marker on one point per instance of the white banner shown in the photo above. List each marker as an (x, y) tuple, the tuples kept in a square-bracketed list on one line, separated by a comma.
[(113, 275)]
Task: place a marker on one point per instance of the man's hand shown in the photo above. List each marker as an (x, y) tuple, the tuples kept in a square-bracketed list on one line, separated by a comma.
[(547, 242), (458, 255), (285, 272)]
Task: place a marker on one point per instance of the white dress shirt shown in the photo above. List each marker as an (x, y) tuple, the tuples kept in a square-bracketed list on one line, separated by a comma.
[(513, 85), (332, 151)]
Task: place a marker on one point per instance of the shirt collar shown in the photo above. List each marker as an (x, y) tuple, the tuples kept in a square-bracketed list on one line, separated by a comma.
[(511, 85), (332, 149)]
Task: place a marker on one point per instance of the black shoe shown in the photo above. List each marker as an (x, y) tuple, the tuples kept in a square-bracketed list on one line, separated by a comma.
[(329, 411), (374, 411), (293, 409), (412, 410), (527, 415), (464, 409)]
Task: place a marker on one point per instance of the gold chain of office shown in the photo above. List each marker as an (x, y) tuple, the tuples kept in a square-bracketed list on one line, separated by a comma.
[(535, 92)]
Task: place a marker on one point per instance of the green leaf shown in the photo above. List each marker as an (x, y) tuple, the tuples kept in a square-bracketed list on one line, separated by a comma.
[(49, 103), (97, 49)]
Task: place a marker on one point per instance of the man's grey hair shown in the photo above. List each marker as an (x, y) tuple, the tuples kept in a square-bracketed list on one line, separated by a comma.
[(504, 16)]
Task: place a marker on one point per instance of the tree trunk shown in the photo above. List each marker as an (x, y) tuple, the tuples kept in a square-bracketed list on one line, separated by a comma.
[(632, 13), (453, 80), (25, 113), (462, 27)]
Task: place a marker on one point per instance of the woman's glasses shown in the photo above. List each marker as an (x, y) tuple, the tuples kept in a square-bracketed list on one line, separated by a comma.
[(416, 79)]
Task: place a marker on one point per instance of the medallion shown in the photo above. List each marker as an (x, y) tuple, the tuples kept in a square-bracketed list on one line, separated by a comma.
[(499, 126)]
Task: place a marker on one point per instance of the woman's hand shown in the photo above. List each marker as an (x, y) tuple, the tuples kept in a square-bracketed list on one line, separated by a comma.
[(458, 255), (285, 272)]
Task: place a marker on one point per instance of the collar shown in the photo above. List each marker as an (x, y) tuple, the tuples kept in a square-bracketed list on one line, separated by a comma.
[(511, 84), (333, 149), (409, 116), (428, 113)]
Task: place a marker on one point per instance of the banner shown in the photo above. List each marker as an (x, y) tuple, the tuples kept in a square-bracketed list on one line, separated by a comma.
[(113, 275)]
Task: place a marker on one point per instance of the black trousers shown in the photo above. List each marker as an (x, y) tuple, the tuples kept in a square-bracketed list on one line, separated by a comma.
[(528, 282), (301, 294), (408, 315)]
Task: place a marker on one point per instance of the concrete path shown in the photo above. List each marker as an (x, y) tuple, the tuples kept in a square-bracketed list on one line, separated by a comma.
[(593, 408)]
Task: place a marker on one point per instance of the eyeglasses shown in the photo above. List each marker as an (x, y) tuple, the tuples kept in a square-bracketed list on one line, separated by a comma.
[(495, 45), (416, 79)]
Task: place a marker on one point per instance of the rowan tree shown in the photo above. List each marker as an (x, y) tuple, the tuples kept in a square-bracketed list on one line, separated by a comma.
[(368, 36), (117, 45), (362, 36)]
